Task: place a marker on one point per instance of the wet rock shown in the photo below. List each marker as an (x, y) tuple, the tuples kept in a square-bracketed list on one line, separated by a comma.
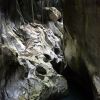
[(26, 70), (57, 30), (59, 25)]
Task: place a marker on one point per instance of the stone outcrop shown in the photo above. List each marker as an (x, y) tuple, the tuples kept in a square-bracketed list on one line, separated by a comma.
[(53, 13), (29, 51), (26, 55)]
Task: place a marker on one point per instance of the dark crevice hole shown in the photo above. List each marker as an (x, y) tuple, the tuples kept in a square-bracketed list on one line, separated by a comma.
[(41, 70), (46, 58), (56, 50), (58, 66), (26, 74)]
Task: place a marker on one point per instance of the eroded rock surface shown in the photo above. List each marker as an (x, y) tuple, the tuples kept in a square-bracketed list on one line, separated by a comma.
[(26, 54), (29, 51)]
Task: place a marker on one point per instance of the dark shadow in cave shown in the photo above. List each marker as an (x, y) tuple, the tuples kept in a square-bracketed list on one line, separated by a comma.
[(80, 84)]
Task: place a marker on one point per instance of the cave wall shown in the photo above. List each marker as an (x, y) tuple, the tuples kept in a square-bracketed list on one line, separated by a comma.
[(82, 21)]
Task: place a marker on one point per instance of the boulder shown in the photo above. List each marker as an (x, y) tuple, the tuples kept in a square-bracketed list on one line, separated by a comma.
[(53, 13)]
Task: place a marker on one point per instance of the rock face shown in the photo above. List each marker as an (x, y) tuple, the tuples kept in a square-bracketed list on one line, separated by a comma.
[(28, 53), (82, 21), (26, 71)]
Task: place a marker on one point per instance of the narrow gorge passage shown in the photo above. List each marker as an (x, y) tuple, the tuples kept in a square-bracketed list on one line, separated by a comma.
[(49, 50)]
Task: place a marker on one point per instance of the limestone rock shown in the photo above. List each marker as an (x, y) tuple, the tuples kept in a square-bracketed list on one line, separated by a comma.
[(26, 70), (57, 29)]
